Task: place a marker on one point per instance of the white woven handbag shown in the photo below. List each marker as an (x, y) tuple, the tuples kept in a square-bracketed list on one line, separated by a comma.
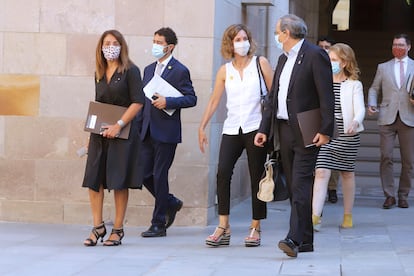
[(267, 185)]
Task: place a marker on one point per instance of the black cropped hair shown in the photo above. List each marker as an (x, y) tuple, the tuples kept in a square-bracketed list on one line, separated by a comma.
[(169, 35), (405, 36)]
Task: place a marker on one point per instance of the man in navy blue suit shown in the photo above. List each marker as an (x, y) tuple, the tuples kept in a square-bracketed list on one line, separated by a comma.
[(161, 132)]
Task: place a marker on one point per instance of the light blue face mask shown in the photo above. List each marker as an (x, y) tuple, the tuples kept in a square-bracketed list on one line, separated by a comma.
[(335, 67), (158, 51), (278, 44)]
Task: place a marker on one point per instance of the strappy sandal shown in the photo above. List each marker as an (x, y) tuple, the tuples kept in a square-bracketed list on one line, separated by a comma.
[(120, 233), (97, 233), (251, 240), (219, 239)]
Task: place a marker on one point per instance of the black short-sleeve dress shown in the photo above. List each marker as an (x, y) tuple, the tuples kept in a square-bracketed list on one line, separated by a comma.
[(114, 163)]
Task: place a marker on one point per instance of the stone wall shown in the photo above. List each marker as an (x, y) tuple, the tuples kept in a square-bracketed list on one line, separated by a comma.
[(47, 51)]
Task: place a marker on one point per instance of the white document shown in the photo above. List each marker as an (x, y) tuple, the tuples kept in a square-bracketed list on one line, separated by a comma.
[(91, 122), (162, 87)]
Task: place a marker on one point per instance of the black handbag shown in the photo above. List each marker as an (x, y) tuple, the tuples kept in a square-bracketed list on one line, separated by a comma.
[(273, 186)]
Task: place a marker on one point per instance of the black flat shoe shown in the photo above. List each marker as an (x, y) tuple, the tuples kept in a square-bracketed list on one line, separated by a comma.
[(332, 196), (172, 212), (154, 231), (289, 247)]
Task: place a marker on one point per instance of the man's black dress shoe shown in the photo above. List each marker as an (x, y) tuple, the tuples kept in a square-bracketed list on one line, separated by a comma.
[(305, 247), (289, 247), (172, 211), (332, 196), (154, 231), (389, 202)]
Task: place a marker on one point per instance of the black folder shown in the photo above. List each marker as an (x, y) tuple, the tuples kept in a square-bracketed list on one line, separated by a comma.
[(309, 124), (101, 114)]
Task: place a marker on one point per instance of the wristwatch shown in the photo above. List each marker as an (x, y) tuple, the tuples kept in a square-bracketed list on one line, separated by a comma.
[(121, 123)]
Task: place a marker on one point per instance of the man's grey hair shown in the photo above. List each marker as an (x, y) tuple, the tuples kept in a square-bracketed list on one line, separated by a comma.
[(295, 25)]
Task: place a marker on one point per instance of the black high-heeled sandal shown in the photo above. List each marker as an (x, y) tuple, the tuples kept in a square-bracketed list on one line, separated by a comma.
[(120, 233), (97, 233)]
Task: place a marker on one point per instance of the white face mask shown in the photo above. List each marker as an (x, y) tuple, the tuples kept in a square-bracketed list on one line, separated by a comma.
[(278, 43), (111, 52), (241, 48)]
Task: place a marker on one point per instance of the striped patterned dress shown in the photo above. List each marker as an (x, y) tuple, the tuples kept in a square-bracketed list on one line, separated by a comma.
[(340, 153)]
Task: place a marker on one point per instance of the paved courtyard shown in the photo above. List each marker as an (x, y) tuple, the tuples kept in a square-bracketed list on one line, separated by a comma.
[(381, 243)]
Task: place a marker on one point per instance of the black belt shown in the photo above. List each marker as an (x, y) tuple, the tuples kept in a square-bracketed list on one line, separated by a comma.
[(283, 121)]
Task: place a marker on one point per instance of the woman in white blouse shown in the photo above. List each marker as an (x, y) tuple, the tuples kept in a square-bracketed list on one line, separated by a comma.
[(239, 78)]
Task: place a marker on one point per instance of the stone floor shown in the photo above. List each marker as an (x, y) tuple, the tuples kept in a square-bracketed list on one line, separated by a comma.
[(381, 243)]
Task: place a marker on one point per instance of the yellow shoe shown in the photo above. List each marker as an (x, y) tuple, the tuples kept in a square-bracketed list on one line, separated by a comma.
[(347, 223), (317, 223)]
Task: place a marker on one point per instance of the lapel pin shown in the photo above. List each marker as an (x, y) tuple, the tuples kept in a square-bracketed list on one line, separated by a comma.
[(300, 59)]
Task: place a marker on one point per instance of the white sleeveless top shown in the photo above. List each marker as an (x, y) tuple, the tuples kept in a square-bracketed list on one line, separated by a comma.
[(243, 99)]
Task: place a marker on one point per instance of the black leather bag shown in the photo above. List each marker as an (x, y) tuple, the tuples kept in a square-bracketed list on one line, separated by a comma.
[(273, 186)]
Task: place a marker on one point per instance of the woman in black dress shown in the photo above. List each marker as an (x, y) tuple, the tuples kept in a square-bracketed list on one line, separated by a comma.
[(113, 163)]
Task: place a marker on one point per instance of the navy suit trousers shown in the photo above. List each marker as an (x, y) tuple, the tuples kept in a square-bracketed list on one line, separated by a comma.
[(158, 158)]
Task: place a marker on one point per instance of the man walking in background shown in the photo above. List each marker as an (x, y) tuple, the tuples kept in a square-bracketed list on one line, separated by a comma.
[(396, 117)]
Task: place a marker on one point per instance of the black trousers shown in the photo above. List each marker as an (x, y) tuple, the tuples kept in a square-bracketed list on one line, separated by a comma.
[(299, 166), (231, 148)]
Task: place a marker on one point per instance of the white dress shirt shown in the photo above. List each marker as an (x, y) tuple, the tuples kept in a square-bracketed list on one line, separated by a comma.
[(284, 80), (397, 69), (164, 63)]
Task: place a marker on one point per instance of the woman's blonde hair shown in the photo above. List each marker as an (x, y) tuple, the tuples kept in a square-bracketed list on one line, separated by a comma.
[(101, 63), (347, 55), (227, 47)]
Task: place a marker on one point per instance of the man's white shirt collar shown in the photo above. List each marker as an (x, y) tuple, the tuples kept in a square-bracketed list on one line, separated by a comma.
[(165, 62), (295, 49)]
